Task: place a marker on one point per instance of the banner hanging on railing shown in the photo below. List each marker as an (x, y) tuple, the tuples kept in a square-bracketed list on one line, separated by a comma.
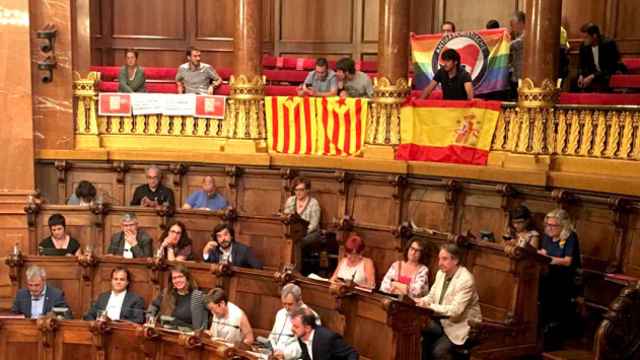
[(447, 131), (310, 125), (120, 104)]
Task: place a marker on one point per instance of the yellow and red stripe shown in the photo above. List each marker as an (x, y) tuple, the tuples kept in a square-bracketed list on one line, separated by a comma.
[(341, 125), (291, 125)]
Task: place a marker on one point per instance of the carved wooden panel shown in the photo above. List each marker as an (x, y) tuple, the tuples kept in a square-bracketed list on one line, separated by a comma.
[(258, 299), (371, 19), (130, 23), (104, 180), (381, 247), (468, 16), (200, 227), (67, 279), (575, 13), (494, 285), (364, 193), (595, 234), (266, 240), (482, 212), (426, 207), (22, 340), (307, 20), (632, 265), (260, 195), (213, 20)]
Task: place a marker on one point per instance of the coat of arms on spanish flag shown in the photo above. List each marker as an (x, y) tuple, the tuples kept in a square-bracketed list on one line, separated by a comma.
[(291, 124), (445, 131), (341, 125)]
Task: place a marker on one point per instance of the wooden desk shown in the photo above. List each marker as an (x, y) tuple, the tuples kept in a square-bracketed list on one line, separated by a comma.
[(379, 327), (49, 339)]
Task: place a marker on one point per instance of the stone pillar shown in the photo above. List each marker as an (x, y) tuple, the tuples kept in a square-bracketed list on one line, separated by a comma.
[(17, 178), (392, 85), (538, 90), (244, 123)]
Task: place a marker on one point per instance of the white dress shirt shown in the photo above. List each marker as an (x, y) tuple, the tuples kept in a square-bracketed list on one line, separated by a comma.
[(114, 305), (127, 253), (282, 338), (596, 57), (37, 304), (309, 344)]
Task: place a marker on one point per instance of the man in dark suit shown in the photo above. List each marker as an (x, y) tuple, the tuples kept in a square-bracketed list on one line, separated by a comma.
[(119, 303), (224, 249), (131, 242), (318, 342), (38, 298), (599, 59)]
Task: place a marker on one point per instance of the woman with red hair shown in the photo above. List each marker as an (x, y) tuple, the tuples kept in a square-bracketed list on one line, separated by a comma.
[(354, 266)]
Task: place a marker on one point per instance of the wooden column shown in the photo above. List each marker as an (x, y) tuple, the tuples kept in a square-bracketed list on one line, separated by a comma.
[(392, 85), (542, 41), (538, 91), (244, 120)]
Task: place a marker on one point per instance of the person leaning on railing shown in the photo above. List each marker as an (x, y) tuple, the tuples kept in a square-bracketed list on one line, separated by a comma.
[(352, 83), (175, 243)]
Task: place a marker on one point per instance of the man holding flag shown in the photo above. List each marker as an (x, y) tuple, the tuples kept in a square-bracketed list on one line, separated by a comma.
[(454, 80)]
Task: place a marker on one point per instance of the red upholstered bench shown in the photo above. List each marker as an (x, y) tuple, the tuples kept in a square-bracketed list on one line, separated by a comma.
[(632, 64), (290, 76), (624, 81), (599, 99)]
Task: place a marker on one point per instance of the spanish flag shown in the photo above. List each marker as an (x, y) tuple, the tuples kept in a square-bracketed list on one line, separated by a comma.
[(341, 125), (447, 131), (291, 124)]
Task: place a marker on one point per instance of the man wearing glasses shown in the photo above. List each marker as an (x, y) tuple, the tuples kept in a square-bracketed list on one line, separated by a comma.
[(320, 82), (131, 242), (153, 193)]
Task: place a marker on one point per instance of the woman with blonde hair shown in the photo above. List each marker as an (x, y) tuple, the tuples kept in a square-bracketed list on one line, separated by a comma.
[(559, 286)]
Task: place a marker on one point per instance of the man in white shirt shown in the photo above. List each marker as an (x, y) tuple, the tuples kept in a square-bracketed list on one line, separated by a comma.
[(282, 338), (453, 296), (119, 303)]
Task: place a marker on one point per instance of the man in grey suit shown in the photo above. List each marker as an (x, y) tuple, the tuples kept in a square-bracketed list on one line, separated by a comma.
[(38, 298), (131, 242), (119, 303)]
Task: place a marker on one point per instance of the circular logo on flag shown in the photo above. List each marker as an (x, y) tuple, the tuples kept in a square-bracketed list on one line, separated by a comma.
[(473, 50)]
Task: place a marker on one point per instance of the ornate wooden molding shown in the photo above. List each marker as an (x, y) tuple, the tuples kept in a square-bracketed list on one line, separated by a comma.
[(47, 326), (190, 342), (508, 192), (563, 198), (233, 173), (34, 204), (285, 275), (343, 178), (404, 232), (157, 265), (399, 183), (287, 175), (88, 263), (166, 213), (15, 262), (61, 166), (99, 329), (230, 215), (178, 170), (121, 168), (99, 210), (221, 270), (620, 208)]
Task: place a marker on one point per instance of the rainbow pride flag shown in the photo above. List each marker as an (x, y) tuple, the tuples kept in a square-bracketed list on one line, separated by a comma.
[(484, 54)]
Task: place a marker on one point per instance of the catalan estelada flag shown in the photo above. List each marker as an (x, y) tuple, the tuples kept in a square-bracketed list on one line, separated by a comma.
[(341, 125), (447, 131), (484, 54), (291, 124)]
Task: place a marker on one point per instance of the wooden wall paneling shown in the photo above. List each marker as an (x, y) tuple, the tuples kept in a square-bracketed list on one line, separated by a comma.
[(497, 293), (596, 236), (259, 193), (632, 258), (422, 16), (624, 26), (575, 13), (425, 206), (365, 320), (325, 305), (381, 246), (307, 20), (211, 22), (139, 282), (258, 299), (366, 190), (21, 340), (135, 25), (137, 176), (265, 238), (326, 189), (46, 183), (370, 16), (470, 16), (481, 211)]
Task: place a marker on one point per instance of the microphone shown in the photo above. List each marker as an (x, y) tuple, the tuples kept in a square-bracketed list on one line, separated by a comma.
[(225, 324)]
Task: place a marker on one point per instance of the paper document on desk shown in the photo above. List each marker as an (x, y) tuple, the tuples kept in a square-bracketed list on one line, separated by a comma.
[(313, 276)]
